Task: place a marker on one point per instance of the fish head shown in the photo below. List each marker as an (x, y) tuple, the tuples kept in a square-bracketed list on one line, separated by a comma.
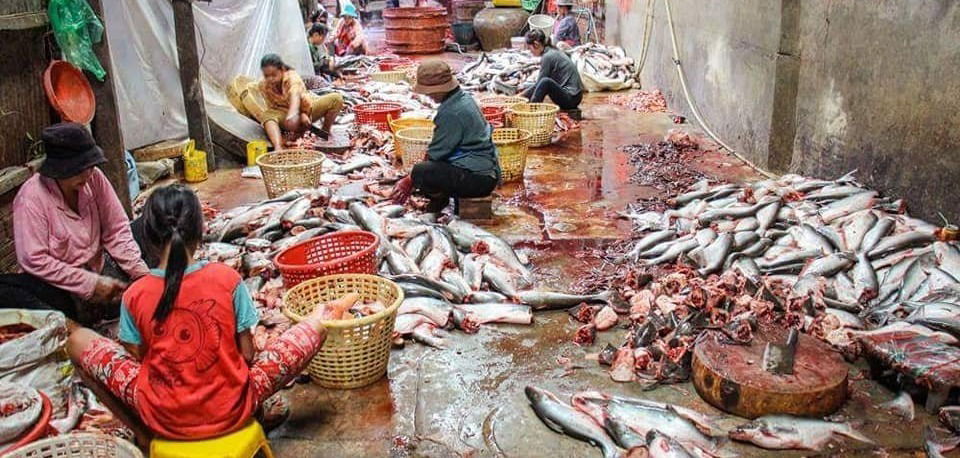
[(761, 433)]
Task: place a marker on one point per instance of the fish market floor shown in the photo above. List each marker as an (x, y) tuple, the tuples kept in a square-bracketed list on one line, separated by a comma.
[(468, 399)]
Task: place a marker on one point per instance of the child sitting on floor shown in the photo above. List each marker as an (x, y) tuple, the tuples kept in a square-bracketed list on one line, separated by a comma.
[(187, 366)]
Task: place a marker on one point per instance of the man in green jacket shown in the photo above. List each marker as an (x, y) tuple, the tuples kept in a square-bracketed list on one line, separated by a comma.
[(461, 159)]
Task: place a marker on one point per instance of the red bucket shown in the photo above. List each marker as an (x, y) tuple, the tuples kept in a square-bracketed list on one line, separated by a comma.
[(378, 113), (345, 252), (389, 65), (494, 113)]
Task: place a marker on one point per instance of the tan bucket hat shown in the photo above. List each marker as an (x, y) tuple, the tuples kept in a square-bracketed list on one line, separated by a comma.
[(434, 77)]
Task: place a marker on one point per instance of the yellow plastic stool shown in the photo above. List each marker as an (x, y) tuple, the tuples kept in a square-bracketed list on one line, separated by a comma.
[(244, 443)]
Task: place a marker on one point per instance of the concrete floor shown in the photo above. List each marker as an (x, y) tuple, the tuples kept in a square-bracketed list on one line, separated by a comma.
[(467, 400)]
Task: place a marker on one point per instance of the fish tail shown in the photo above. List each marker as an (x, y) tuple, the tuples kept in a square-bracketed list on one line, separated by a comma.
[(855, 435)]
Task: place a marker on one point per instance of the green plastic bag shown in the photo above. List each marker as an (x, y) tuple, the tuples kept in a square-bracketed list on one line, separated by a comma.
[(77, 28)]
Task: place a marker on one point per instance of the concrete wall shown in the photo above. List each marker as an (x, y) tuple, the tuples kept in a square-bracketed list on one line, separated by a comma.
[(818, 87), (880, 92)]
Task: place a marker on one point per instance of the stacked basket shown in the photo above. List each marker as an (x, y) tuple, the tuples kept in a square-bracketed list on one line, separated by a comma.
[(290, 169), (337, 253), (412, 144), (537, 118), (356, 351), (377, 113), (511, 146)]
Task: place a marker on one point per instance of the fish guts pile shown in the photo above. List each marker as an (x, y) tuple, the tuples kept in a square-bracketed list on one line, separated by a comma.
[(832, 258), (642, 101)]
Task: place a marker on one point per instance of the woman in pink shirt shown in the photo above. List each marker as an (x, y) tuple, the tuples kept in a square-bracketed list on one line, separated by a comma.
[(66, 219)]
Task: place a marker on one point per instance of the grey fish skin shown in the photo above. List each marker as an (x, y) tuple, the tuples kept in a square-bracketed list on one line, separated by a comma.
[(369, 220), (430, 283), (834, 193), (485, 297), (877, 232), (865, 280), (648, 241), (848, 206), (454, 278), (415, 290), (899, 256), (766, 216), (915, 275), (901, 405), (674, 252), (856, 229), (503, 252), (295, 212), (499, 279), (788, 258), (472, 266), (417, 247), (399, 262), (442, 241), (737, 212), (716, 253), (744, 239), (436, 310), (749, 269), (948, 258), (498, 313), (660, 445), (783, 432), (828, 265), (899, 241), (564, 419), (686, 198), (809, 239), (425, 334), (339, 216), (547, 300), (757, 249)]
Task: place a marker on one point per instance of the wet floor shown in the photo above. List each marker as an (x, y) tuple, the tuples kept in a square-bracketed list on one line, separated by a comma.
[(467, 400)]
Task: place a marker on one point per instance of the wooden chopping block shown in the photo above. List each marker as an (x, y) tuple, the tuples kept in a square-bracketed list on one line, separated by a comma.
[(478, 210), (338, 143), (731, 377)]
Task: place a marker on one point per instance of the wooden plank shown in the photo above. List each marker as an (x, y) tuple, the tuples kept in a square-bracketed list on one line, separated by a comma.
[(24, 110), (197, 125), (12, 177), (21, 21), (106, 122), (8, 7)]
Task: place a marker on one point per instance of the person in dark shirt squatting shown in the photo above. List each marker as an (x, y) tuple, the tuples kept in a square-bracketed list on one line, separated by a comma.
[(461, 159), (558, 78), (320, 51)]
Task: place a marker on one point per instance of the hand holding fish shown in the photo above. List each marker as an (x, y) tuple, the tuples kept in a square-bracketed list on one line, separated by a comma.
[(401, 192)]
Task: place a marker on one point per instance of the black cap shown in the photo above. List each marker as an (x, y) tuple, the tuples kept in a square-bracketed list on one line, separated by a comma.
[(70, 150)]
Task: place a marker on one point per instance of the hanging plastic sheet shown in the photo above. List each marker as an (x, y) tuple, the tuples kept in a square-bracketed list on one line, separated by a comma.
[(232, 36), (76, 29)]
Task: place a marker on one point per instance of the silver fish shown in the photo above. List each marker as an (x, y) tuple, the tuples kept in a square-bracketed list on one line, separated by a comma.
[(716, 253), (790, 257), (547, 300), (901, 405), (500, 279), (782, 432), (417, 247), (648, 241), (296, 212), (498, 313), (564, 419), (855, 229), (948, 258), (428, 334), (472, 265), (486, 297), (900, 241), (454, 278), (878, 231), (399, 262), (828, 265), (660, 445), (674, 251), (369, 220), (865, 279), (848, 206), (766, 216), (437, 311)]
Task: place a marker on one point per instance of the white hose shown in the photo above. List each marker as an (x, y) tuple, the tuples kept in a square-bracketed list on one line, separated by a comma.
[(645, 45), (693, 107)]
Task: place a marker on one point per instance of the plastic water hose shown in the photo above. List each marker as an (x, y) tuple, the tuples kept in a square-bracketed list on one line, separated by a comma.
[(693, 107), (647, 32)]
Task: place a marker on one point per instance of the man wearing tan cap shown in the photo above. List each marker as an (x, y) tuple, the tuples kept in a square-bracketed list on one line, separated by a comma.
[(461, 160)]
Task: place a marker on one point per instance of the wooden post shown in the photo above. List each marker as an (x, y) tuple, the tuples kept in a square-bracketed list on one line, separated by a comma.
[(106, 122), (197, 124)]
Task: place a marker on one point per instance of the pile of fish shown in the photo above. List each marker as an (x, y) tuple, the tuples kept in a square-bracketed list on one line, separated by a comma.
[(829, 257), (356, 93), (604, 68), (653, 429), (509, 71), (505, 71), (642, 101)]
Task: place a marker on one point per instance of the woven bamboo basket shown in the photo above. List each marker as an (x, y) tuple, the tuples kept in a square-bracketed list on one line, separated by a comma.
[(290, 169), (356, 351), (500, 101), (411, 144), (388, 77), (511, 146), (82, 445), (538, 118), (396, 125)]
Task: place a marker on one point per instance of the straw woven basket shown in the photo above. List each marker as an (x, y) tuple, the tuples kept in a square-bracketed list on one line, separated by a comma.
[(411, 144), (502, 101), (538, 118), (396, 125), (511, 146), (290, 169), (388, 77), (356, 351), (82, 445)]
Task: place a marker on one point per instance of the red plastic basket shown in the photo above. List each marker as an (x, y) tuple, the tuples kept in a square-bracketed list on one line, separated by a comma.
[(494, 113), (378, 113), (388, 65), (345, 252)]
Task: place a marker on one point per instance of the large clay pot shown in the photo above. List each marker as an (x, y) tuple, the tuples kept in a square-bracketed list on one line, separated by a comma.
[(495, 26), (419, 30)]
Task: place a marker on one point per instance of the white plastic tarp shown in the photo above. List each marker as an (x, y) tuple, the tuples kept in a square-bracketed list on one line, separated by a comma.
[(232, 36)]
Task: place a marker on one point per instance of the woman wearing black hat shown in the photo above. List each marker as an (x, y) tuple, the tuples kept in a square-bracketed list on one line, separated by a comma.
[(66, 219)]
